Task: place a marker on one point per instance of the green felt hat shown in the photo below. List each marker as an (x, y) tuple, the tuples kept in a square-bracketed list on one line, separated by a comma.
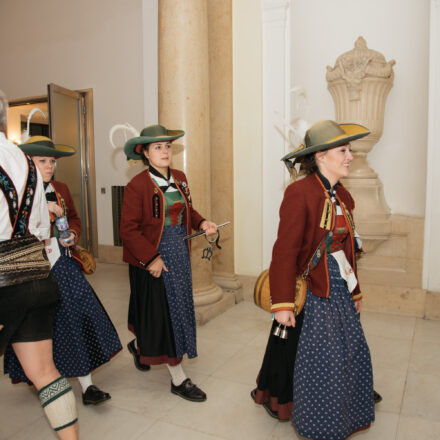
[(324, 135), (44, 146), (152, 133)]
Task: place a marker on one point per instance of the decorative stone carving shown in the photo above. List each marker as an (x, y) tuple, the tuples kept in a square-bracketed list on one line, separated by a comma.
[(359, 84)]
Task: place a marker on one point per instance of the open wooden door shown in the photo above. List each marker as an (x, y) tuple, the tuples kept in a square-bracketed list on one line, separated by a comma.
[(70, 114)]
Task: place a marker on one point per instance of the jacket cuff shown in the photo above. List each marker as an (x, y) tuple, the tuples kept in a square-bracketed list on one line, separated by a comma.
[(200, 223), (75, 234), (151, 261), (282, 306), (357, 297)]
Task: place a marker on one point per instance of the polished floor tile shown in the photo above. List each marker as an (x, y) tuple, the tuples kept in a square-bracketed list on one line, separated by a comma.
[(405, 353)]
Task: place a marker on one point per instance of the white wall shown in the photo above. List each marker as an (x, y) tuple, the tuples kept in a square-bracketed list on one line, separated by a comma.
[(431, 273), (399, 29), (321, 31), (247, 109), (82, 44)]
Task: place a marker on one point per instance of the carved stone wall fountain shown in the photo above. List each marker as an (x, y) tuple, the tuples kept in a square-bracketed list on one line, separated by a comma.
[(359, 84)]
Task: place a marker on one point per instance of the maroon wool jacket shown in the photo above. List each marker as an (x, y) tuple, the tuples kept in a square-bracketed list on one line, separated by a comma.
[(65, 200), (143, 217), (299, 234)]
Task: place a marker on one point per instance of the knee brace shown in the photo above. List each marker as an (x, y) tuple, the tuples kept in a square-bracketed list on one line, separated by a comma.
[(58, 402)]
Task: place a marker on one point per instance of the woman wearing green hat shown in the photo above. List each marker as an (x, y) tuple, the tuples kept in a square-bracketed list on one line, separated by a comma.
[(332, 380), (157, 213), (84, 337)]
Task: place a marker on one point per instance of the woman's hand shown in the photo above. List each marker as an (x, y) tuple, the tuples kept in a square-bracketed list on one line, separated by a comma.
[(358, 305), (209, 227), (55, 209), (156, 268), (69, 242), (285, 317)]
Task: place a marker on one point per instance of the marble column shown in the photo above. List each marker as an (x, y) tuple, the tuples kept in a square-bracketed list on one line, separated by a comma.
[(184, 103), (221, 135)]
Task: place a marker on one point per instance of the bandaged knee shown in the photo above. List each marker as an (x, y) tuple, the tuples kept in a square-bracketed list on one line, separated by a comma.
[(58, 402)]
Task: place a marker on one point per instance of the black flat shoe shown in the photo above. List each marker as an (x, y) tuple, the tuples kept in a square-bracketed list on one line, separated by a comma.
[(187, 390), (94, 396), (377, 397), (253, 394), (137, 362)]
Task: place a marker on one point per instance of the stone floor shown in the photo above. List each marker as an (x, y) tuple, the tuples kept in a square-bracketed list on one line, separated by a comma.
[(406, 359)]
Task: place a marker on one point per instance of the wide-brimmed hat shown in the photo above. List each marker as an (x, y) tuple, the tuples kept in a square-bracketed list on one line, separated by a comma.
[(43, 146), (324, 135), (152, 133)]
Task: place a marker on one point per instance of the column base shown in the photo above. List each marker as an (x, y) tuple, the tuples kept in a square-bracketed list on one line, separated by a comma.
[(207, 312), (409, 301), (230, 284), (210, 302)]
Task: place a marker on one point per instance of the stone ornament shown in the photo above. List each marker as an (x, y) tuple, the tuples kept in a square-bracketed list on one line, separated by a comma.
[(359, 84), (356, 65)]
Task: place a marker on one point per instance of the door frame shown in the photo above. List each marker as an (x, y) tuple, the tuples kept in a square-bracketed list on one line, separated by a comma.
[(89, 167)]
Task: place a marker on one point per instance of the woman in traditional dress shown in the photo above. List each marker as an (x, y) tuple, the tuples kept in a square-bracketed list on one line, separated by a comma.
[(333, 381), (84, 336), (157, 213)]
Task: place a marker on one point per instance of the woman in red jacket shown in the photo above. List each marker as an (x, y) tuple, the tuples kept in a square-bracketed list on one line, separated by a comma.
[(157, 213), (84, 337), (333, 381)]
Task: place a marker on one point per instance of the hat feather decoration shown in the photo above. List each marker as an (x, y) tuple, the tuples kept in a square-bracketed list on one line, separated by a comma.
[(297, 128), (25, 135), (129, 132)]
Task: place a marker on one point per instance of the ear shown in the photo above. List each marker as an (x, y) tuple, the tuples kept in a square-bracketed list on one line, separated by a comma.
[(319, 155)]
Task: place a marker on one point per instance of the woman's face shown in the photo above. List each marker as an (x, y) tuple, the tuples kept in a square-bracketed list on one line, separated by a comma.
[(335, 163), (159, 154), (46, 166)]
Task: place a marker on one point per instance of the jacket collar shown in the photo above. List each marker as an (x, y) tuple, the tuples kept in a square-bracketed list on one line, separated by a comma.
[(330, 189)]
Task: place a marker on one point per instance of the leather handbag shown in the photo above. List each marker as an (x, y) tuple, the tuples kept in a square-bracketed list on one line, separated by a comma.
[(262, 293), (22, 259), (86, 260), (262, 297)]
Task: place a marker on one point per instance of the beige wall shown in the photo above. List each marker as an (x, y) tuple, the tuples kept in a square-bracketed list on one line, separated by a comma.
[(78, 45)]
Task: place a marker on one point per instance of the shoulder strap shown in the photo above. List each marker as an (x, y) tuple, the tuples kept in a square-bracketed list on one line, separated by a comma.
[(19, 214), (320, 250)]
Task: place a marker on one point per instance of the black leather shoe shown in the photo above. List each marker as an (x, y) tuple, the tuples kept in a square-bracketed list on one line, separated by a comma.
[(377, 397), (94, 396), (253, 394), (137, 362), (188, 391)]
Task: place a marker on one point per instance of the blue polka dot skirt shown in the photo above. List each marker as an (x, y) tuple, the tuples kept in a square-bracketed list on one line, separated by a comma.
[(333, 381), (178, 287), (84, 336)]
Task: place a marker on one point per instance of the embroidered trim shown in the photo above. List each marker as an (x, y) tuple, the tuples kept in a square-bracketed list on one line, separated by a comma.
[(19, 215), (282, 306), (53, 391), (10, 193), (24, 212), (156, 205)]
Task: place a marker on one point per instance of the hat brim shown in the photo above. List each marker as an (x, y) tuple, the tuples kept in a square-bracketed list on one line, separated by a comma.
[(131, 144), (351, 133), (59, 150)]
